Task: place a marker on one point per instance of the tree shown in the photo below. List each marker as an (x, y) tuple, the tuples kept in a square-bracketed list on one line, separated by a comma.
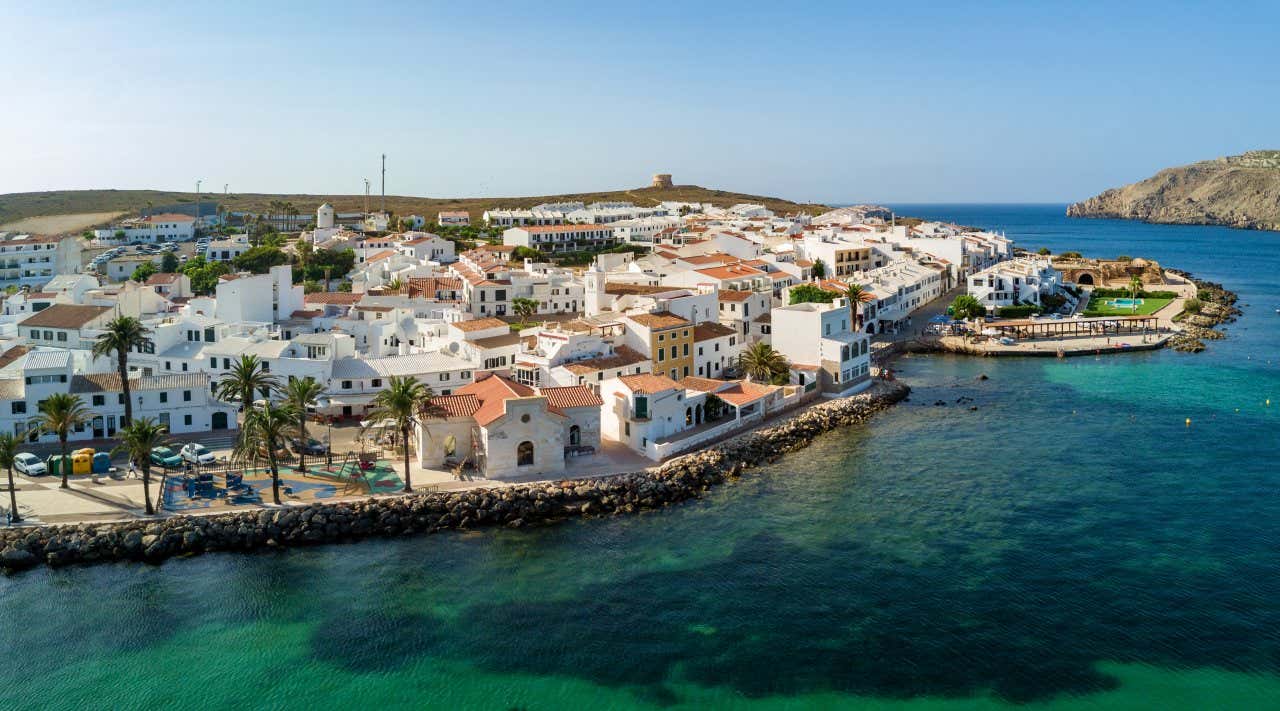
[(8, 453), (169, 263), (260, 259), (401, 402), (819, 269), (810, 294), (136, 441), (119, 235), (204, 274), (857, 295), (123, 334), (1044, 251), (523, 253), (394, 285), (1135, 286), (302, 394), (967, 306), (1070, 255), (303, 250), (247, 377), (761, 362), (266, 428), (524, 308), (143, 272), (61, 413)]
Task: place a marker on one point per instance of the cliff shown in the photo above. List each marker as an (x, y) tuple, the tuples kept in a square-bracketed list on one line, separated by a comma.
[(1236, 191)]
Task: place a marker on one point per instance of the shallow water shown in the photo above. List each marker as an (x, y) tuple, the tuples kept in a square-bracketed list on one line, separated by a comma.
[(1072, 543)]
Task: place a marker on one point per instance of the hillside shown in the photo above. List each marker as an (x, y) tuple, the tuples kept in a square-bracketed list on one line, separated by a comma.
[(1236, 191), (20, 206)]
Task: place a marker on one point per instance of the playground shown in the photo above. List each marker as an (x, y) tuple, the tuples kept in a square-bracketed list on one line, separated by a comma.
[(221, 486)]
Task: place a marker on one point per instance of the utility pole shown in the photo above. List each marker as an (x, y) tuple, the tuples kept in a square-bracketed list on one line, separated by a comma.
[(384, 183), (197, 225), (223, 206), (366, 196)]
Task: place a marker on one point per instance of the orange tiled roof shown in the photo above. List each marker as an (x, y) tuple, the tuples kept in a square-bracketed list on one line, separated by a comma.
[(648, 383), (622, 357), (492, 391), (479, 324), (456, 405), (342, 298), (571, 396), (659, 319)]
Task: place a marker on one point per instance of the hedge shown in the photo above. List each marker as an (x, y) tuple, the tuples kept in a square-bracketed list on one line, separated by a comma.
[(1017, 311), (1125, 293)]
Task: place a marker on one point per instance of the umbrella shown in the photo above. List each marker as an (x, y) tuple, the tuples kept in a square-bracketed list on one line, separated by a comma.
[(990, 332), (943, 318)]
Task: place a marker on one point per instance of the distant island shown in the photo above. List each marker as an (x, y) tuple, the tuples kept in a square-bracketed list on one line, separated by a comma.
[(23, 211), (1237, 191)]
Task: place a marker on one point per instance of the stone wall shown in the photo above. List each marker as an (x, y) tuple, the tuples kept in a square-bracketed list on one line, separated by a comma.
[(678, 480)]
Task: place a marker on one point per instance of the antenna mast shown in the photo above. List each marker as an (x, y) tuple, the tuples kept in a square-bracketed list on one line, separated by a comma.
[(384, 183)]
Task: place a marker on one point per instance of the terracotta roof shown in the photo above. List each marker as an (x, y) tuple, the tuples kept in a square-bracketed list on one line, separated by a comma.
[(162, 278), (571, 396), (622, 357), (479, 324), (492, 391), (65, 316), (735, 392), (310, 313), (454, 213), (763, 318), (708, 330), (659, 319), (732, 271), (110, 382), (457, 405), (42, 295), (380, 256), (648, 383), (704, 385), (623, 289), (732, 295), (506, 339), (12, 355), (344, 298)]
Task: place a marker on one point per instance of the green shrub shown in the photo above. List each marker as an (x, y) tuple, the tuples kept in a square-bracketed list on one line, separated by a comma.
[(1192, 306), (1017, 311)]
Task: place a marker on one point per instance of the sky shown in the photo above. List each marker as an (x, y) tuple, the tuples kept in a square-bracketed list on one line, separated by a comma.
[(825, 101)]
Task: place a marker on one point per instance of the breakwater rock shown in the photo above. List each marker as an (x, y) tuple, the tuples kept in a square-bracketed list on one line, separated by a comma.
[(680, 479), (1217, 307)]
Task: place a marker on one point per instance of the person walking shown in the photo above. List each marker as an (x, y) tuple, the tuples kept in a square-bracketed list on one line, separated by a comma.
[(133, 470)]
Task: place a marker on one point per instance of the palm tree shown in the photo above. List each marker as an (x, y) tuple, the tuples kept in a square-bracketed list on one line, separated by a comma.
[(136, 441), (401, 402), (248, 376), (123, 334), (857, 295), (524, 308), (761, 362), (1135, 285), (304, 250), (395, 285), (8, 452), (60, 414), (266, 428), (302, 394)]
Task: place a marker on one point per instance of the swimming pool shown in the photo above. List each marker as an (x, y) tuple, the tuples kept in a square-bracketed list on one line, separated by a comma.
[(1124, 303)]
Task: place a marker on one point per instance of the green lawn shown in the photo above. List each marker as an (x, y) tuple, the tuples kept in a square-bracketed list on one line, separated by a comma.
[(1100, 307)]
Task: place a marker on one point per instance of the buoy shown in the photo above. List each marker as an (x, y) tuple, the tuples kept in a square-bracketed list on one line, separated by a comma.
[(1268, 402), (1188, 422)]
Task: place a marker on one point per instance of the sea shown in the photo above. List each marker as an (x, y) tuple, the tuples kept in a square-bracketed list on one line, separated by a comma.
[(1099, 533)]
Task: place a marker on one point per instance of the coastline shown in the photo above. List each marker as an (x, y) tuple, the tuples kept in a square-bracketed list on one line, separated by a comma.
[(680, 479)]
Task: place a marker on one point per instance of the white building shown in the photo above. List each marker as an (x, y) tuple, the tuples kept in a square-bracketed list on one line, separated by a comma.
[(1018, 281), (169, 227), (561, 238), (453, 218), (818, 340), (226, 250), (30, 260)]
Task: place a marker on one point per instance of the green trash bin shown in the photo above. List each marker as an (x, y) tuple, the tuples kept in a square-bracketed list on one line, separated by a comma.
[(56, 462)]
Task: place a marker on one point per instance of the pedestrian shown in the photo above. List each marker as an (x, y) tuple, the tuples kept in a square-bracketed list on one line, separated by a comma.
[(132, 470)]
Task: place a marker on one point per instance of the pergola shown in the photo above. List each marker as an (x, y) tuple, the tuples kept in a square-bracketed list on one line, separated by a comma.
[(1059, 328)]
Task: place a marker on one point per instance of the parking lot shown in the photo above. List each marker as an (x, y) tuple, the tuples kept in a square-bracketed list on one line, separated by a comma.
[(92, 257)]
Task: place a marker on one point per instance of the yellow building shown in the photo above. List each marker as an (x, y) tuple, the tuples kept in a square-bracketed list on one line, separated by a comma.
[(668, 339)]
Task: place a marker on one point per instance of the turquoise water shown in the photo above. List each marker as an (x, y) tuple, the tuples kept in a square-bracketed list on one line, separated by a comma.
[(1125, 303), (1072, 543)]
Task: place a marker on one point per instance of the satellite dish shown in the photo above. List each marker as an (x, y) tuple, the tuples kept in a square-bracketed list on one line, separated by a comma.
[(453, 346)]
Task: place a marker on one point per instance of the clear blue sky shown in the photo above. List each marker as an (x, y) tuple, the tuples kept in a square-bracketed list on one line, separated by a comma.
[(889, 102)]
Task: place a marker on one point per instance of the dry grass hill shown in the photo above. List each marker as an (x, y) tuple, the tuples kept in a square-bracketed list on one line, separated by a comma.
[(26, 210)]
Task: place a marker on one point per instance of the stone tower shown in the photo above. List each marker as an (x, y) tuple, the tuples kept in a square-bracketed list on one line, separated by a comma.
[(662, 180)]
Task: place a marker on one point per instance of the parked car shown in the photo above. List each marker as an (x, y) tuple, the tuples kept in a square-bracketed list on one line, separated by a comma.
[(197, 454), (166, 458), (310, 446), (30, 464)]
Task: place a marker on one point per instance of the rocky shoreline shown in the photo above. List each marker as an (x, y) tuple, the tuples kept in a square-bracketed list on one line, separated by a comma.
[(1217, 307), (681, 479)]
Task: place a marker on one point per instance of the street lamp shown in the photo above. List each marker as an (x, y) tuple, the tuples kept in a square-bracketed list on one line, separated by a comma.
[(198, 203), (323, 402)]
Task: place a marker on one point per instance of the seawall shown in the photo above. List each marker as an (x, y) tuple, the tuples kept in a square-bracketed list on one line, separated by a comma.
[(678, 480)]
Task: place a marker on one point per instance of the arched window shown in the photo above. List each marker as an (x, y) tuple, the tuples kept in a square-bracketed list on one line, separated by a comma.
[(688, 415), (450, 446), (524, 454), (575, 436)]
